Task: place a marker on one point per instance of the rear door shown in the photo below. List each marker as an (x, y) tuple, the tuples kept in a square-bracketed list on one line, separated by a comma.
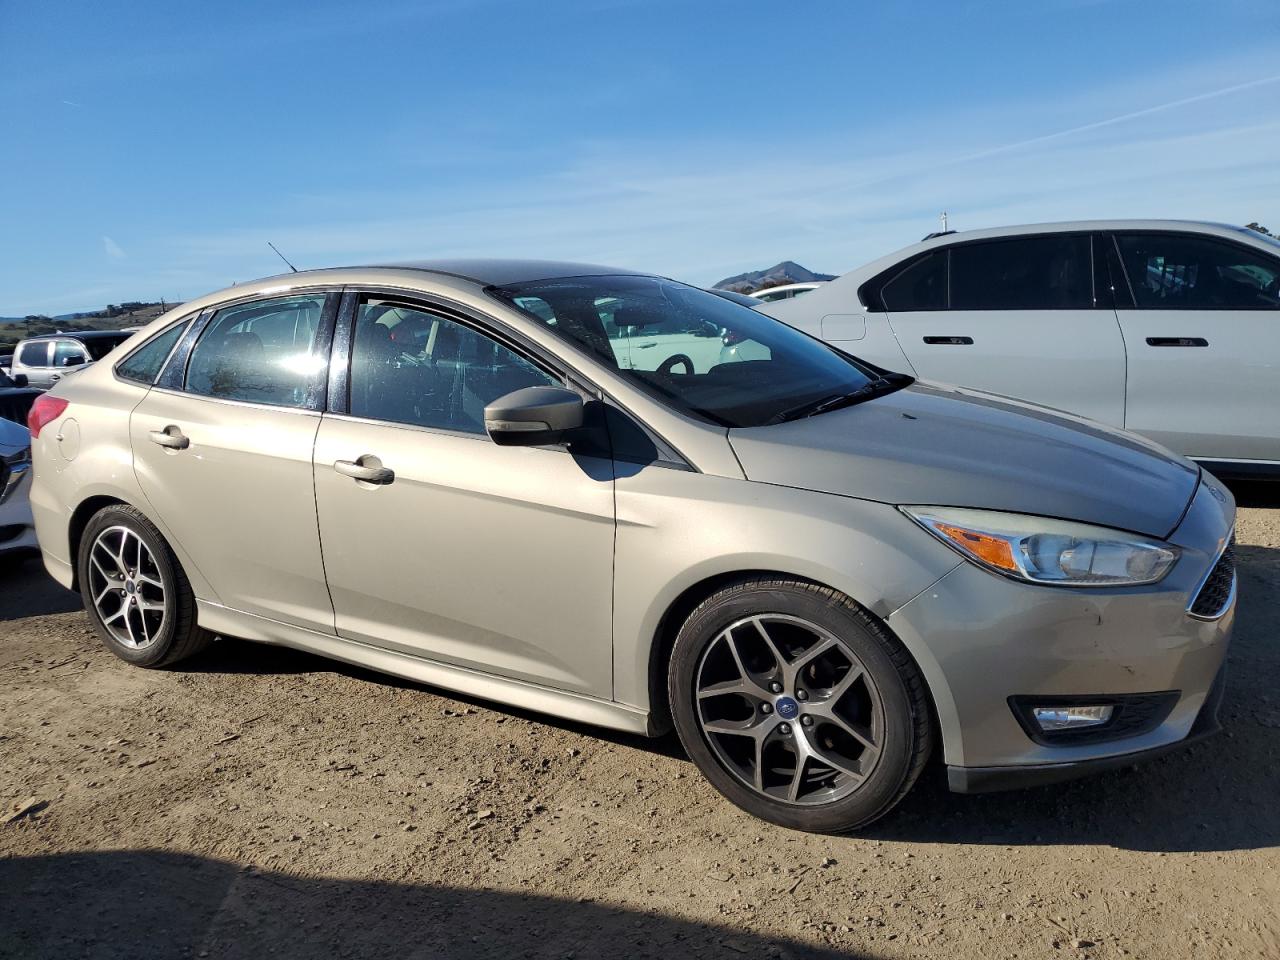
[(32, 359), (222, 450), (1017, 316), (496, 559), (1202, 327)]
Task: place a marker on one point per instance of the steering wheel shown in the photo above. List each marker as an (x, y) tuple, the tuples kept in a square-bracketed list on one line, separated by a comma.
[(676, 359)]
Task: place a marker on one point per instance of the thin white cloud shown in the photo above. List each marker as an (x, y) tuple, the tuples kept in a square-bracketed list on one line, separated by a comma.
[(113, 249)]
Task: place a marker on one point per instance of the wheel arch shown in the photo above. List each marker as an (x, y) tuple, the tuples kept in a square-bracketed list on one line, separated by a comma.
[(676, 612)]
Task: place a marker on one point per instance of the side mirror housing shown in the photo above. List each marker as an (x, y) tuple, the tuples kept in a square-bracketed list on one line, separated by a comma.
[(20, 380), (73, 361), (533, 416)]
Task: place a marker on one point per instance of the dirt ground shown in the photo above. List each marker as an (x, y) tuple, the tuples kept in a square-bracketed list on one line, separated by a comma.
[(262, 802)]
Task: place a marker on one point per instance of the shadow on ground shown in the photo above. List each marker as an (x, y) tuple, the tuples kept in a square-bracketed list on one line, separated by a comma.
[(27, 591), (130, 904)]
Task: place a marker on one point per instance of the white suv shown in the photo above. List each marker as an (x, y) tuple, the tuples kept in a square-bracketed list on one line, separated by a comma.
[(1168, 328)]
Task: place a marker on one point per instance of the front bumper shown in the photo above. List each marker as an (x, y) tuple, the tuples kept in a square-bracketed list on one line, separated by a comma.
[(980, 639)]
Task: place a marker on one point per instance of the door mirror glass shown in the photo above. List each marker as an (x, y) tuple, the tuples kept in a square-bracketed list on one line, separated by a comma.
[(533, 416)]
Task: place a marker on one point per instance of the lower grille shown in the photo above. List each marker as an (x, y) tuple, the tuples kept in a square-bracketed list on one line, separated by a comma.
[(1216, 591)]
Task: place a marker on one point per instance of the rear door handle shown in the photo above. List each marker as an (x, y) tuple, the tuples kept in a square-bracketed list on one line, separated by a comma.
[(1177, 342), (950, 341), (366, 468), (171, 437)]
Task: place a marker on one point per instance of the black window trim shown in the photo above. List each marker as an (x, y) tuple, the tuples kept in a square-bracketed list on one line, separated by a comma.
[(870, 293), (115, 370), (174, 375), (486, 324), (1198, 235)]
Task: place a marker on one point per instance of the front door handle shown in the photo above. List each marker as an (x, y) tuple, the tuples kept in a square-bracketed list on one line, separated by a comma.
[(950, 341), (366, 468), (171, 437), (1177, 342)]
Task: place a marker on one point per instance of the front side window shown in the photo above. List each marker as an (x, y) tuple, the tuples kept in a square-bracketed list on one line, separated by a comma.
[(754, 371), (1172, 271), (260, 352), (144, 364), (66, 350), (412, 366), (34, 353), (1051, 272)]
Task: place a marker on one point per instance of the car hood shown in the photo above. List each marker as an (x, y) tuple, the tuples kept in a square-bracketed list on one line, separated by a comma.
[(946, 446)]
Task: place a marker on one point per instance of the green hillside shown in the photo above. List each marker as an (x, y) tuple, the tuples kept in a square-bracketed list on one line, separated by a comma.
[(113, 317)]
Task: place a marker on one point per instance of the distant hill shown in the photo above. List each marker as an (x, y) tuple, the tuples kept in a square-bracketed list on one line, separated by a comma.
[(788, 271), (113, 317)]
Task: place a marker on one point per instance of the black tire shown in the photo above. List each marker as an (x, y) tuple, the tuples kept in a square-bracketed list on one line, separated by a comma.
[(178, 635), (906, 728)]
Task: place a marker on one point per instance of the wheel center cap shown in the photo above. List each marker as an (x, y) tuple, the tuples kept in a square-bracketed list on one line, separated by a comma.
[(129, 586), (786, 708)]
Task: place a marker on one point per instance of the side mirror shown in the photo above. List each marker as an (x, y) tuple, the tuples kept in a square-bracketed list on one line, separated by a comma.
[(20, 380), (533, 416), (72, 361)]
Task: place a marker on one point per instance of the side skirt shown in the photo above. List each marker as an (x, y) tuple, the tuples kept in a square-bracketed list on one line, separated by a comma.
[(558, 703)]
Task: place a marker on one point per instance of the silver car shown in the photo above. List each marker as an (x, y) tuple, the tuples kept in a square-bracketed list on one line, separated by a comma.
[(819, 573)]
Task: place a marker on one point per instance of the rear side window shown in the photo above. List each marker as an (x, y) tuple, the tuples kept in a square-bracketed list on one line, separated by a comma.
[(99, 347), (1187, 272), (260, 352), (34, 354), (921, 286), (1032, 273), (145, 363)]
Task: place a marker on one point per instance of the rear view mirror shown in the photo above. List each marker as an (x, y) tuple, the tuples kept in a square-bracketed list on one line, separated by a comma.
[(533, 416)]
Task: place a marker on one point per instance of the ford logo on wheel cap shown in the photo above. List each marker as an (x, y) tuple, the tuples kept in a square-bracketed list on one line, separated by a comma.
[(787, 708)]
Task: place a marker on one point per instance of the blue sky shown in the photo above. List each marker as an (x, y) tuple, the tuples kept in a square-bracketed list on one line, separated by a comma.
[(151, 149)]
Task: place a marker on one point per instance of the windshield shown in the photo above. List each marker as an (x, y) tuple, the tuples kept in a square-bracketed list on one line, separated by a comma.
[(698, 352)]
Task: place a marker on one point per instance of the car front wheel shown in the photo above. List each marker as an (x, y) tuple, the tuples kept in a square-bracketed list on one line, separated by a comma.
[(798, 706)]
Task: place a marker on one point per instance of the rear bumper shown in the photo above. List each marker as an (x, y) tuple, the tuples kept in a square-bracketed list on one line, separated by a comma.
[(991, 779)]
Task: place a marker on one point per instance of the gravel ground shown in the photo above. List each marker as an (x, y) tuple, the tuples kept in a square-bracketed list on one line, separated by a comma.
[(263, 802)]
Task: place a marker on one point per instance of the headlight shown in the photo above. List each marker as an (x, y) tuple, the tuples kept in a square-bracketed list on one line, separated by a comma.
[(1041, 550)]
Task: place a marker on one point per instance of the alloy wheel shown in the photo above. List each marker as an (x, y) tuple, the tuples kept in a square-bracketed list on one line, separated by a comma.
[(127, 587), (789, 709)]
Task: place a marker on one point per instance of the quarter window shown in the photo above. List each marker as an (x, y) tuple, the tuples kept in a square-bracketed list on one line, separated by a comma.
[(1184, 272), (411, 366), (34, 354), (1033, 273), (143, 365), (261, 352)]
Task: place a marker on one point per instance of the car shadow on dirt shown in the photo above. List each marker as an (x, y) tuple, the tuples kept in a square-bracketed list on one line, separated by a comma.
[(142, 903), (27, 591)]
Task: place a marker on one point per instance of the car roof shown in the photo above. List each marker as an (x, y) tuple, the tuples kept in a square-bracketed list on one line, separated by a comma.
[(82, 335), (500, 272)]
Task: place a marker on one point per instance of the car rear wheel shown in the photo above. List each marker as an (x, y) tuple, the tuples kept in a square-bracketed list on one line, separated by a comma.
[(136, 595), (799, 706)]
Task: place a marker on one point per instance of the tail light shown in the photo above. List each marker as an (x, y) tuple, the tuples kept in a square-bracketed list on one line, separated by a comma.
[(44, 411)]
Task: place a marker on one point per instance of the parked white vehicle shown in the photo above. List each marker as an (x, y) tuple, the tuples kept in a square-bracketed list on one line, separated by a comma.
[(787, 291), (1168, 328)]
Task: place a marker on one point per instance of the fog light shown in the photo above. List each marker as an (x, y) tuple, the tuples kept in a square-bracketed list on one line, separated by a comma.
[(1071, 718)]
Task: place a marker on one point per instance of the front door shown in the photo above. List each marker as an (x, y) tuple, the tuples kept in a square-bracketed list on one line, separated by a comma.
[(1203, 337), (1016, 317), (439, 543), (224, 457)]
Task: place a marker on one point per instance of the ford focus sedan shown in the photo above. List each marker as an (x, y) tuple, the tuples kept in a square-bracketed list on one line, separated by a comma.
[(819, 573)]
